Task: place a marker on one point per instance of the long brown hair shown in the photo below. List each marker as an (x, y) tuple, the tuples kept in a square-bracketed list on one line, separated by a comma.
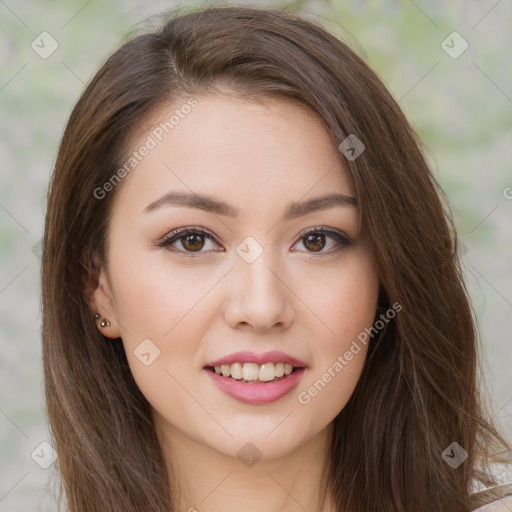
[(420, 387)]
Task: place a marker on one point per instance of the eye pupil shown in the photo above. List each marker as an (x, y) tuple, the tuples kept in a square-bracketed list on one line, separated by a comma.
[(193, 241), (317, 240)]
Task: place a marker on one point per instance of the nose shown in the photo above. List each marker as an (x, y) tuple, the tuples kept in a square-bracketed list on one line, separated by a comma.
[(259, 298)]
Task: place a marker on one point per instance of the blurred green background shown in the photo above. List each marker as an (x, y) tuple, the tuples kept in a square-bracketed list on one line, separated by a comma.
[(459, 102)]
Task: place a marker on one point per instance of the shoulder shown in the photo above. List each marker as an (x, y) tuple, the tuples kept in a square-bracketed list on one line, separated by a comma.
[(495, 499)]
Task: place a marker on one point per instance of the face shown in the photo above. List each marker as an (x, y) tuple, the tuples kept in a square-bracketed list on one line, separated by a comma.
[(250, 269)]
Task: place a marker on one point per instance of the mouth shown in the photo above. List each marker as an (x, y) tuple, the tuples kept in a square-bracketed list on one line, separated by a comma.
[(252, 373), (256, 384)]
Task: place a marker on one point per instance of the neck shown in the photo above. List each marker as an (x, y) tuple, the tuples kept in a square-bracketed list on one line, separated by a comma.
[(206, 480)]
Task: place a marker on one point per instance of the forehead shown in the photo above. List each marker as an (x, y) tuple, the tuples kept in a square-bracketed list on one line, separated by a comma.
[(248, 153)]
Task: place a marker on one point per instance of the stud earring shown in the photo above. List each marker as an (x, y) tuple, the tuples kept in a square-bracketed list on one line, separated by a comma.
[(103, 323)]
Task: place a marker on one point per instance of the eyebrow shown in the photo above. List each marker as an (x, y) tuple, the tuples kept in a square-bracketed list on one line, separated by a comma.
[(209, 204)]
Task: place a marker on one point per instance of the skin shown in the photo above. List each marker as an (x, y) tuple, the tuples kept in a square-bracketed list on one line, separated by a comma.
[(312, 305)]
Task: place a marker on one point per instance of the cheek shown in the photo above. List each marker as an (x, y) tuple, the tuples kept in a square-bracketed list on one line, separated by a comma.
[(356, 303), (347, 306), (346, 298), (156, 299), (164, 311)]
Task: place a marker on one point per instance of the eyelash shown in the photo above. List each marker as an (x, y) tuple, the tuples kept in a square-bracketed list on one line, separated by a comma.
[(177, 234)]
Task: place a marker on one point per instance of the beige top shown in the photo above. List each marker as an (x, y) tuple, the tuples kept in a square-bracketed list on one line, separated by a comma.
[(500, 505), (496, 499)]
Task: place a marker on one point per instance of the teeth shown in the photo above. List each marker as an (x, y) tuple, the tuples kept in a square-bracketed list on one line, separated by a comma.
[(267, 372), (236, 371), (252, 371)]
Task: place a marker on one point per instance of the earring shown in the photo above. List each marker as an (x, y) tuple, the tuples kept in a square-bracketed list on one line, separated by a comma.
[(103, 323)]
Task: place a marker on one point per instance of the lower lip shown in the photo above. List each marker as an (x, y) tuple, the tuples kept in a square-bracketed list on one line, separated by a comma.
[(257, 393)]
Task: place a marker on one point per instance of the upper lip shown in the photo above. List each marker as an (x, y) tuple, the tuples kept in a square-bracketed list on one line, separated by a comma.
[(246, 356)]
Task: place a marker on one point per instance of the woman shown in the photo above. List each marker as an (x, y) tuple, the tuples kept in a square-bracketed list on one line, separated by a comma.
[(251, 289)]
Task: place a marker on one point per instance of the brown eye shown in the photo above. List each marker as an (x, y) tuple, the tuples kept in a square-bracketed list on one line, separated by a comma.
[(192, 242), (314, 242)]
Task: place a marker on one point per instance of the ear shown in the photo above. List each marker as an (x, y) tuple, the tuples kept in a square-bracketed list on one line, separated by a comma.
[(101, 299)]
